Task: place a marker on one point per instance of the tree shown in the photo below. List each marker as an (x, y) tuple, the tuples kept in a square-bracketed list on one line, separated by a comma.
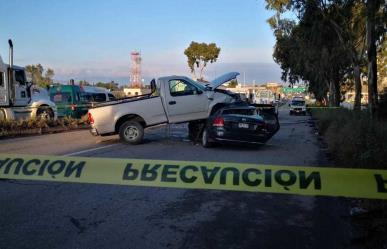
[(41, 77), (84, 83), (308, 50), (382, 63), (112, 86), (349, 20), (199, 55), (372, 36), (233, 84)]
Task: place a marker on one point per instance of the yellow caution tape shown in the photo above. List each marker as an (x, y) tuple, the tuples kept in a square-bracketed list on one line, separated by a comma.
[(357, 183)]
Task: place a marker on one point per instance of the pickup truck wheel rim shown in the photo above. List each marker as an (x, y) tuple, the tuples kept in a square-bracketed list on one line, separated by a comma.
[(131, 132)]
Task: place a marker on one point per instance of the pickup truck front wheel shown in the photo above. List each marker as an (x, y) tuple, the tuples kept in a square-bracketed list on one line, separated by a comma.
[(131, 132)]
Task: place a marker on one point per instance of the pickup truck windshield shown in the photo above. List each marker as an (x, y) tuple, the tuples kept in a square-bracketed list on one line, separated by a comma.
[(298, 102), (181, 88)]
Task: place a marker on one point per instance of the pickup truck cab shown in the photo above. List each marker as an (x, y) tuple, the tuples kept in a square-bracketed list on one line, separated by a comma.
[(174, 99), (297, 106)]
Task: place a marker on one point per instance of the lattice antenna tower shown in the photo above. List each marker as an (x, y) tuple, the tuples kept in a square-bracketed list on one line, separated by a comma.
[(135, 70)]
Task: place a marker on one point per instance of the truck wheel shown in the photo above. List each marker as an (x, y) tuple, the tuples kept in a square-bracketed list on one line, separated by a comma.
[(205, 139), (2, 115), (131, 132), (45, 113)]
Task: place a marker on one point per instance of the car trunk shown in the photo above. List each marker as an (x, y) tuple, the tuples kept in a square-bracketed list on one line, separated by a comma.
[(246, 128)]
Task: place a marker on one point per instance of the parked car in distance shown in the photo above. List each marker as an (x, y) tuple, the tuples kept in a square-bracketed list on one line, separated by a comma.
[(70, 100), (98, 94), (297, 106), (239, 124)]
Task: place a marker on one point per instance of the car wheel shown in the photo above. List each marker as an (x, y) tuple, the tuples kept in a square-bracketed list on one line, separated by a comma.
[(205, 139), (45, 113), (131, 132)]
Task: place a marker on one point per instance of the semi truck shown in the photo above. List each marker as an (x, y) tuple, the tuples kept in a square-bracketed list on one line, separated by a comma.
[(17, 100)]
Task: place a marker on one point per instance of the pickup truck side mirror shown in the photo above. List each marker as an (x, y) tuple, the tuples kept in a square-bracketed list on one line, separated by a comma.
[(208, 88), (199, 92)]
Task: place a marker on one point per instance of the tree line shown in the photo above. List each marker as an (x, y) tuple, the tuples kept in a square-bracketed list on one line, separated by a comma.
[(331, 45), (44, 78)]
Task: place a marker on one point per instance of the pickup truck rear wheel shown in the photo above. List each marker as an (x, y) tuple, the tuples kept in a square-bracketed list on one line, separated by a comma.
[(131, 132)]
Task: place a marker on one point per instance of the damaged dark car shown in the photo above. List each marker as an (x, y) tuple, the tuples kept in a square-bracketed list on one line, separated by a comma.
[(240, 124)]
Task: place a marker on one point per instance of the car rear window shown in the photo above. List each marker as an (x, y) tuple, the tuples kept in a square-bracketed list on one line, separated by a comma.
[(248, 112)]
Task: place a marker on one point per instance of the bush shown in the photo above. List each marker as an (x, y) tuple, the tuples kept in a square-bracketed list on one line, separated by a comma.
[(353, 138), (14, 126)]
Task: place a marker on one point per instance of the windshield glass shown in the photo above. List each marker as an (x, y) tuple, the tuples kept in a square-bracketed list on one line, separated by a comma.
[(61, 97), (298, 102)]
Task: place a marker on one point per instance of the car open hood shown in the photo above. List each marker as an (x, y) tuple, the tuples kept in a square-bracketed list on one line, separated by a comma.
[(222, 79)]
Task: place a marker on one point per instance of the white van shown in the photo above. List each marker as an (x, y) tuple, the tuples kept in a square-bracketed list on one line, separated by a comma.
[(98, 94)]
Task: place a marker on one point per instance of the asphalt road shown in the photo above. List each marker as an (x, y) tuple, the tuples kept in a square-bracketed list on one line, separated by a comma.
[(65, 215)]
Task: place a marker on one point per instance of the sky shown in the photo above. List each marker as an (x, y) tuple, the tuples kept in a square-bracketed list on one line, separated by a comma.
[(92, 39)]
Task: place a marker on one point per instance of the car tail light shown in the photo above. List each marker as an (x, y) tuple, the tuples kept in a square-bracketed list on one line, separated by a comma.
[(73, 107), (218, 122), (90, 118)]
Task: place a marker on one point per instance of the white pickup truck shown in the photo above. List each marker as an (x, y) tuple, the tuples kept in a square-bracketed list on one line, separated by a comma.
[(174, 99)]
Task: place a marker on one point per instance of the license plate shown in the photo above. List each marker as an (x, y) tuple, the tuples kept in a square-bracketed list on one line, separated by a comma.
[(243, 125)]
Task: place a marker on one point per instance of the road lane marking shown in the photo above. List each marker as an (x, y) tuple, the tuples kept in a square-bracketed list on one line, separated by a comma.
[(90, 150)]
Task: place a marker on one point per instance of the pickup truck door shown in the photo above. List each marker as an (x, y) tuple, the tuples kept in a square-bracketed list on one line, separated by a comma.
[(184, 101)]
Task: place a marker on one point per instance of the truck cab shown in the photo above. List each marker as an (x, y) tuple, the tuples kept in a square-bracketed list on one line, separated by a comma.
[(16, 100), (70, 100)]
